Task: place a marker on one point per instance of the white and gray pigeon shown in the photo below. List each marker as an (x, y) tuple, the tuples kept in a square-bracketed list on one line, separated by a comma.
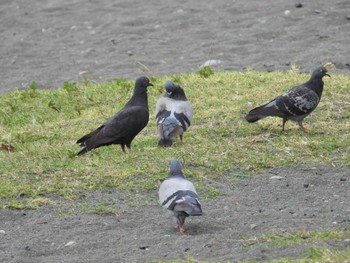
[(179, 196), (295, 104), (174, 114), (124, 125)]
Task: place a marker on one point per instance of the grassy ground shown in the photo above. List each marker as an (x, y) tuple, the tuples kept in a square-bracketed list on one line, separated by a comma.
[(43, 125)]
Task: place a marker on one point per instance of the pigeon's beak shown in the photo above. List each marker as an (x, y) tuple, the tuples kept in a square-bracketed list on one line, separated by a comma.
[(150, 84), (327, 75)]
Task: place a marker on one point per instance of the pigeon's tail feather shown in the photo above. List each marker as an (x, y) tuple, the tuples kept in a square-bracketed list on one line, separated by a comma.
[(83, 139), (169, 125), (165, 142), (252, 117), (196, 212), (82, 151), (166, 131), (261, 112), (190, 206)]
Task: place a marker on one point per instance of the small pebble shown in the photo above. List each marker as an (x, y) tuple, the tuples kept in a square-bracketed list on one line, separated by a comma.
[(287, 12), (2, 232), (348, 17), (317, 11), (70, 243), (252, 226), (298, 5), (306, 185), (276, 177), (211, 63)]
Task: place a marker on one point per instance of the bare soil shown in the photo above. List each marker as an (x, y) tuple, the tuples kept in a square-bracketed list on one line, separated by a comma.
[(279, 201)]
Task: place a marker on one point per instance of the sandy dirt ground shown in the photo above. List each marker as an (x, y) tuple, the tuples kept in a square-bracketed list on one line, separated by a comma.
[(51, 41), (279, 201)]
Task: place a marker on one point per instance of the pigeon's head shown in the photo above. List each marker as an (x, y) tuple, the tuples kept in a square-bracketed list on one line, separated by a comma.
[(170, 86), (320, 73), (174, 91), (176, 168), (143, 82)]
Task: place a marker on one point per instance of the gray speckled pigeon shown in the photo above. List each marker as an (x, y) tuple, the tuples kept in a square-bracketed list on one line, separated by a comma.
[(123, 126), (174, 114), (179, 196), (295, 104)]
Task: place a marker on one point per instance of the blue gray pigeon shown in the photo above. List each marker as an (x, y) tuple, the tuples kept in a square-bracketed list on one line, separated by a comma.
[(295, 104), (123, 126), (178, 195), (174, 114)]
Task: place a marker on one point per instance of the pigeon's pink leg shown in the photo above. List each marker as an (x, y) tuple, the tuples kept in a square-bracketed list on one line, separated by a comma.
[(302, 127), (123, 148), (283, 124), (180, 228)]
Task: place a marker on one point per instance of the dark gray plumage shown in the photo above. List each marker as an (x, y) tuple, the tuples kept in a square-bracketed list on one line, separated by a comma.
[(179, 196), (123, 126), (174, 114), (295, 104)]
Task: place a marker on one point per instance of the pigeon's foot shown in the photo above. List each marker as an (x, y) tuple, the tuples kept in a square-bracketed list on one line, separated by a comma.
[(181, 228), (302, 127)]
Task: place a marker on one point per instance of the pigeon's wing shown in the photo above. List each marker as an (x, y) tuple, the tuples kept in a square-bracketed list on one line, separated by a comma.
[(186, 108), (161, 107), (127, 123), (183, 112), (170, 188), (297, 101)]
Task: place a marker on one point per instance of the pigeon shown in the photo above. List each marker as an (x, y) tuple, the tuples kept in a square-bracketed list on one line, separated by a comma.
[(295, 104), (174, 114), (124, 125), (178, 195)]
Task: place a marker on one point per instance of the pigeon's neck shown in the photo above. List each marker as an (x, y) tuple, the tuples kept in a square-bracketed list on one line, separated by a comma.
[(179, 95), (315, 84), (139, 98), (176, 175)]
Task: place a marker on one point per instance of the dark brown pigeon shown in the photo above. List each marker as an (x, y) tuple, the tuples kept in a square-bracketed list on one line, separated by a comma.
[(123, 126), (295, 104)]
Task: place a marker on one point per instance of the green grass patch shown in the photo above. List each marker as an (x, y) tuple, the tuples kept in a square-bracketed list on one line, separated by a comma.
[(313, 240), (43, 126), (308, 237)]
